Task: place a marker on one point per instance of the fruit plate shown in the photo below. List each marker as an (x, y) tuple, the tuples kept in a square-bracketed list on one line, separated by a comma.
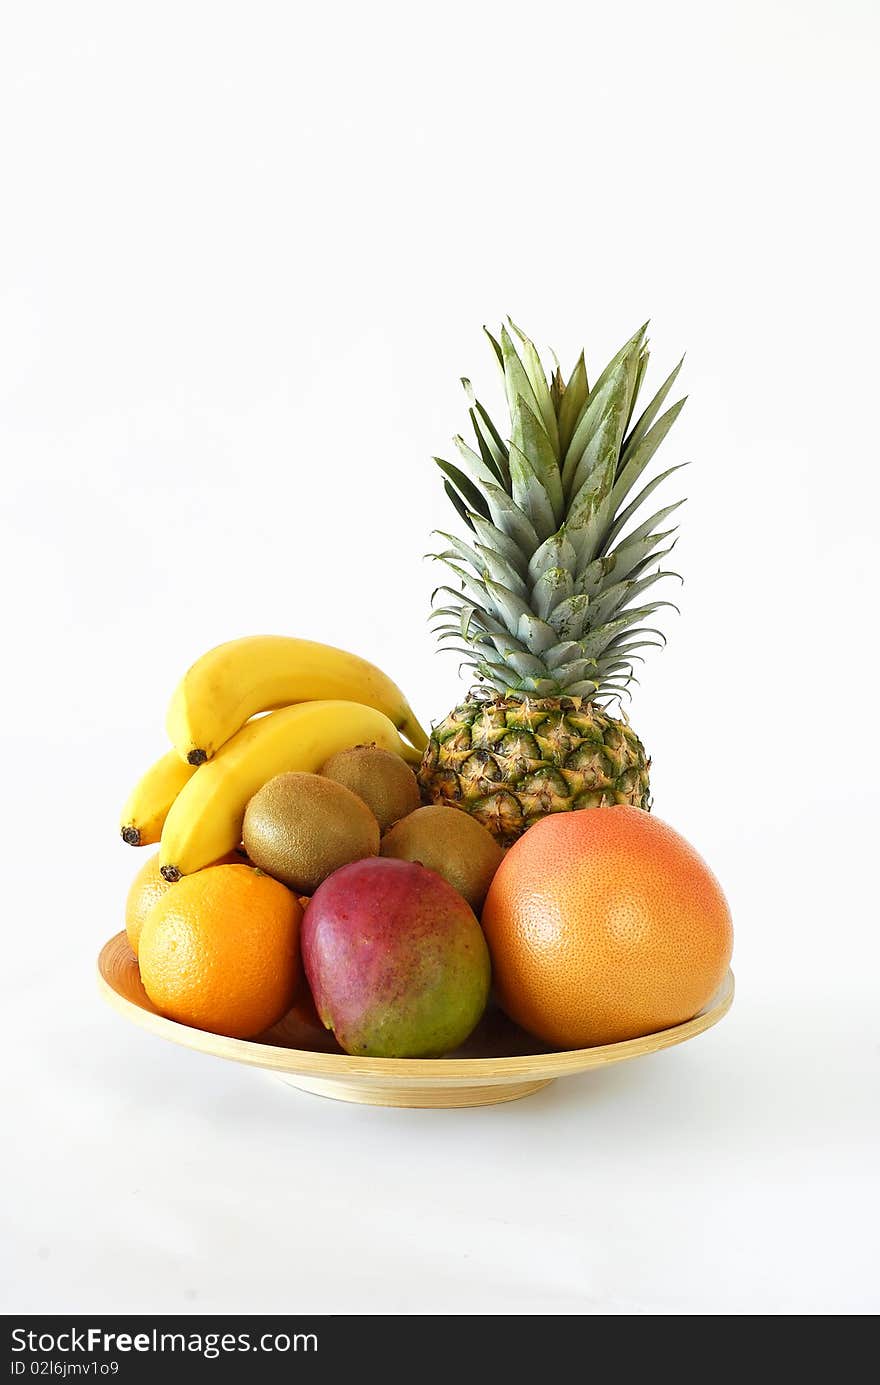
[(498, 1063)]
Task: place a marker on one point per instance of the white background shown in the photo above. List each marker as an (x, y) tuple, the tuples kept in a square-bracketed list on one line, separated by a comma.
[(245, 254)]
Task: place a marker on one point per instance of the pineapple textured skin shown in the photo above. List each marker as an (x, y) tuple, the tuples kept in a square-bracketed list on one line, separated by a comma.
[(509, 761)]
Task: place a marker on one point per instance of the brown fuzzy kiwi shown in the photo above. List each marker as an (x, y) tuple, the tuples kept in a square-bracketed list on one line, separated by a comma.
[(452, 843), (300, 828), (385, 782)]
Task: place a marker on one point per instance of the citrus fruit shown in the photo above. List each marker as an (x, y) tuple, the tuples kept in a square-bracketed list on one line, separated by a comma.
[(605, 924), (148, 886), (220, 951)]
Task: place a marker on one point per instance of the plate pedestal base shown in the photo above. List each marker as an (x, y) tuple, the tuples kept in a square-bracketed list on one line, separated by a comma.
[(416, 1094)]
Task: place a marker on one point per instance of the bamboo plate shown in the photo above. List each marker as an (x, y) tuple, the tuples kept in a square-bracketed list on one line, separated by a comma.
[(498, 1063)]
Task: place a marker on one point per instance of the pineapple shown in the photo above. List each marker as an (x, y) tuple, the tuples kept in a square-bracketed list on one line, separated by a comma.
[(549, 606)]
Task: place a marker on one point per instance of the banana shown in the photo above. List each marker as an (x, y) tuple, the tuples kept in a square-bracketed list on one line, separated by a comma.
[(233, 682), (147, 806), (206, 819)]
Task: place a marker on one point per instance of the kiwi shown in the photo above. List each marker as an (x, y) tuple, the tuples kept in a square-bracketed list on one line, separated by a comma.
[(299, 828), (452, 843), (385, 782)]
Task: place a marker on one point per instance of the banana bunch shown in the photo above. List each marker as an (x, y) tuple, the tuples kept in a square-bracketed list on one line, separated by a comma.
[(318, 700)]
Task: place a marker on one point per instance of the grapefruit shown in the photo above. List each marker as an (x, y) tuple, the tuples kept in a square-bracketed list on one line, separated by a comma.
[(604, 924)]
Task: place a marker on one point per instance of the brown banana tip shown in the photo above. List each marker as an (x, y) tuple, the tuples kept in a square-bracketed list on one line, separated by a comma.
[(131, 836), (197, 757), (171, 874)]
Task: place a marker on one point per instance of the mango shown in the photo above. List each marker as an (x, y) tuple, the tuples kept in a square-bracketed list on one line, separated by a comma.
[(396, 960)]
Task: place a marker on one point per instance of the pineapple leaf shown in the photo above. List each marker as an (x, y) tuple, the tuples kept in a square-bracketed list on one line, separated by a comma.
[(507, 516), (490, 459), (626, 515), (631, 554), (465, 487), (493, 538), (554, 585), (641, 367), (458, 549), (475, 588), (592, 578), (502, 477), (538, 381), (496, 348), (443, 634), (457, 501), (477, 469), (478, 616), (601, 451), (650, 414), (516, 381), (557, 391), (633, 346), (598, 641), (607, 670), (510, 607), (443, 612), (641, 455), (623, 644), (482, 560), (574, 672), (612, 690), (499, 675), (487, 434), (605, 412), (501, 571), (573, 397), (526, 665), (589, 581), (493, 439), (561, 653), (583, 689), (614, 386), (531, 438), (587, 517), (616, 597), (646, 563), (568, 619), (557, 551), (505, 643), (535, 633), (530, 493), (466, 650), (541, 687), (644, 529)]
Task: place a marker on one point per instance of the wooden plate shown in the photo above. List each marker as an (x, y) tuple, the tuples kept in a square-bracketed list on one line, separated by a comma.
[(498, 1063)]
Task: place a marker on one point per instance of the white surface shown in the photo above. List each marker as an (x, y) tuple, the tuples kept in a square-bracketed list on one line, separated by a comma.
[(244, 258)]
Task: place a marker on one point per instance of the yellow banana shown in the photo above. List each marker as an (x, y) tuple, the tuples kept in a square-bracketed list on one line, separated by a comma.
[(233, 682), (206, 819), (147, 806)]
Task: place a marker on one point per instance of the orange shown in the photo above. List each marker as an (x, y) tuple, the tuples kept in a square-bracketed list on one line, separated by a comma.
[(605, 924), (146, 887), (220, 951)]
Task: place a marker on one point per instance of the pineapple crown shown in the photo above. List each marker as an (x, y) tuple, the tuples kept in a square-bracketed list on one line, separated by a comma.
[(551, 588)]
